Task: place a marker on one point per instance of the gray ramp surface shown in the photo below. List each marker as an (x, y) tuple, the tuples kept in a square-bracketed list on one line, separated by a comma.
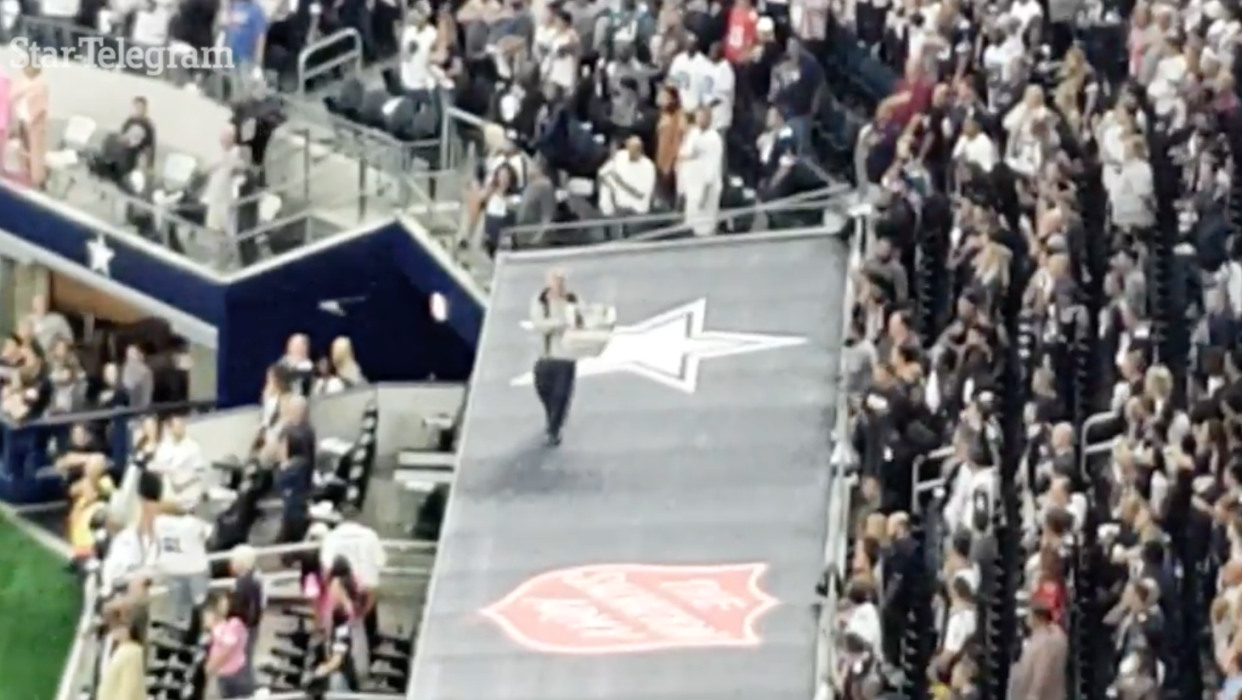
[(669, 548)]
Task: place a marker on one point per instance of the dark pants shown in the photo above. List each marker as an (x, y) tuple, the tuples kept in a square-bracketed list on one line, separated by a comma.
[(554, 382), (238, 685)]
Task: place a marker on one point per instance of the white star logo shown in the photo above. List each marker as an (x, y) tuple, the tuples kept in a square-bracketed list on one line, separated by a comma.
[(100, 255), (669, 347)]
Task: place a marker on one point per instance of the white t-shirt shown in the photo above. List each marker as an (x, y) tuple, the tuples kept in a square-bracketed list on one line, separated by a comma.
[(962, 624), (702, 153), (638, 174), (184, 468), (151, 24), (720, 91), (358, 545), (60, 8), (978, 150), (129, 552), (864, 621), (1026, 12), (691, 74), (182, 544), (416, 66)]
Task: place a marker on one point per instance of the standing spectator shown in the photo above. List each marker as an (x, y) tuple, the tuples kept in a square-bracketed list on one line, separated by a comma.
[(627, 181), (30, 105), (741, 32), (722, 90), (68, 379), (227, 658), (221, 193), (345, 367), (418, 40), (111, 393), (699, 175), (245, 35), (137, 378), (294, 476), (1040, 672), (297, 365), (124, 675), (179, 461), (248, 598), (670, 131), (27, 396), (47, 326)]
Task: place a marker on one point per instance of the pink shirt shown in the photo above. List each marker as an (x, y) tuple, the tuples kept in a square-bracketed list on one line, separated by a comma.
[(6, 89), (229, 638)]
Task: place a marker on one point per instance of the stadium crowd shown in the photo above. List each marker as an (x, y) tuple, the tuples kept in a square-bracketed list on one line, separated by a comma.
[(192, 509), (1072, 166)]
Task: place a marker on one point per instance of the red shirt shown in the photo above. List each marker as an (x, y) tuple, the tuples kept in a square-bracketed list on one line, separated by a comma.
[(1052, 594), (740, 34), (920, 98)]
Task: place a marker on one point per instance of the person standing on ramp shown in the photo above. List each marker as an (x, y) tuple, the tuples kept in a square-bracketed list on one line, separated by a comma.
[(554, 311)]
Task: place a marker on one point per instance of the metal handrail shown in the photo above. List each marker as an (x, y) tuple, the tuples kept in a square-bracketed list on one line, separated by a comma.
[(353, 55), (799, 202), (675, 217), (65, 689), (1098, 447), (917, 487)]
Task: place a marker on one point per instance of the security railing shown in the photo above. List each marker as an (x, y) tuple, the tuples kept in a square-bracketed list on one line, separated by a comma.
[(798, 211), (843, 463), (24, 447)]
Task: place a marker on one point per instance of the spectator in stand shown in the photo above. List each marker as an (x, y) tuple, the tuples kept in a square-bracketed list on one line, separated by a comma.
[(111, 393), (47, 326), (180, 463), (123, 676), (294, 475), (67, 378), (700, 169), (628, 181), (298, 368), (342, 371), (29, 102), (245, 35), (248, 598), (137, 378), (227, 659), (27, 395), (1040, 671)]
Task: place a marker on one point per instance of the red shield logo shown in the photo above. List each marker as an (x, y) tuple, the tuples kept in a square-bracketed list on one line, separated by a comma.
[(627, 608)]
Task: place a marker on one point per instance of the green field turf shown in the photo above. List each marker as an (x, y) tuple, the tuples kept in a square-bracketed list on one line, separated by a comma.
[(39, 608)]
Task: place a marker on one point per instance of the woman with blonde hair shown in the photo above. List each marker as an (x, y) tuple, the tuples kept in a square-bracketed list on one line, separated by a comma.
[(343, 369)]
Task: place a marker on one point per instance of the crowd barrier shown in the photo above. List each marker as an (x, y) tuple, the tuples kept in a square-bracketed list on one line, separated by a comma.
[(797, 211), (27, 450), (843, 463)]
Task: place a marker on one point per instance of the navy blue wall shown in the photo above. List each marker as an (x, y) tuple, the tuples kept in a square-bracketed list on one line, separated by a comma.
[(383, 282), (132, 266)]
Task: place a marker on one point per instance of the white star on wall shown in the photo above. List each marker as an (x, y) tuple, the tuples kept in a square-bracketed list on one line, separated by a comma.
[(100, 255), (669, 347)]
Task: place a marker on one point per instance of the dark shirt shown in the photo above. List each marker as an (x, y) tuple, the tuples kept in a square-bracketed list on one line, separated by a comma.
[(139, 134), (248, 599), (300, 441), (293, 483)]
